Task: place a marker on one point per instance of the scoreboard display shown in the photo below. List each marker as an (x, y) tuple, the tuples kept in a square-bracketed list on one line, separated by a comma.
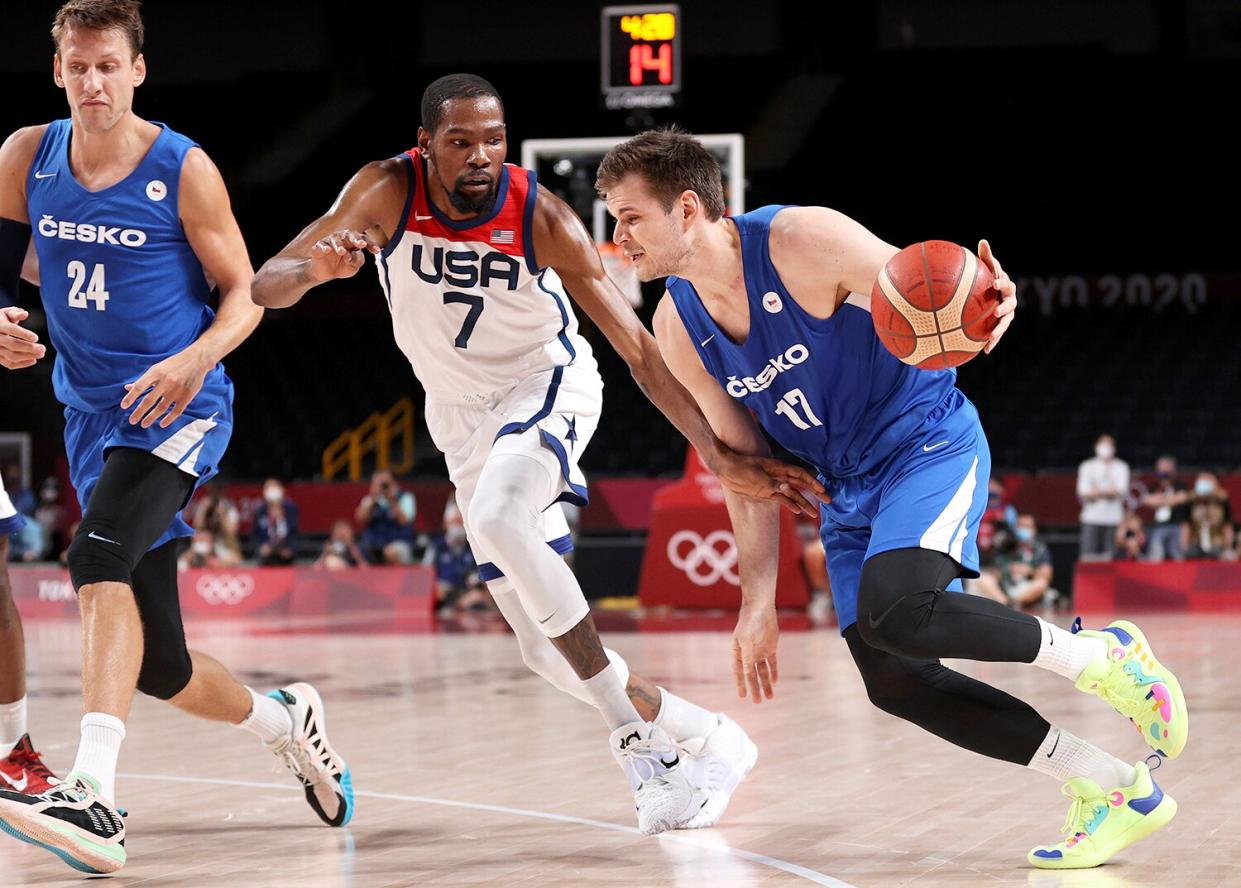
[(641, 56)]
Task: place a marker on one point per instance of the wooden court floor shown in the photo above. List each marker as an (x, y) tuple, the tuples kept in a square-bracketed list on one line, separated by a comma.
[(471, 771)]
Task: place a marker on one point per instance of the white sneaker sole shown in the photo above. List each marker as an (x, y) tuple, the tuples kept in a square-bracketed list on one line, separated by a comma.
[(718, 799)]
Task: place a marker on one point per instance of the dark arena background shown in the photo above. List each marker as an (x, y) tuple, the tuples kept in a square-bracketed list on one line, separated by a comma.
[(1091, 142)]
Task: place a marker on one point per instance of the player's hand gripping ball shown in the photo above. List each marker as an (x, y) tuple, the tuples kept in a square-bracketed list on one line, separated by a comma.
[(934, 305)]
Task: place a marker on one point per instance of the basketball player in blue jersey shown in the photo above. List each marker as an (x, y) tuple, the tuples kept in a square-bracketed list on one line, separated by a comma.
[(477, 262), (766, 321), (129, 221)]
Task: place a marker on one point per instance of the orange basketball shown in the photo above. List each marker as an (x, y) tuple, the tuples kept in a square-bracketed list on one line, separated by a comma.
[(933, 305)]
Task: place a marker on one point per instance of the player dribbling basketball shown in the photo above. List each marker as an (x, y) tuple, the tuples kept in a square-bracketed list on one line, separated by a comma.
[(766, 322)]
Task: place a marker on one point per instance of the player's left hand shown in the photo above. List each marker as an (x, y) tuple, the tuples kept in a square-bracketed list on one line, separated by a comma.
[(1008, 295), (764, 478), (754, 652), (166, 389)]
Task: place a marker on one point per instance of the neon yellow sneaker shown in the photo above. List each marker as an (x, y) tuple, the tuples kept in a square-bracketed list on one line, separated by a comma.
[(1101, 823), (1137, 686)]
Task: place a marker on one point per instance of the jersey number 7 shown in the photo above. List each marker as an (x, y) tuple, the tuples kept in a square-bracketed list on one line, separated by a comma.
[(475, 302)]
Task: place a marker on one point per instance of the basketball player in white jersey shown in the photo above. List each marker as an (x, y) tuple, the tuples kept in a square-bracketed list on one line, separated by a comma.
[(475, 260)]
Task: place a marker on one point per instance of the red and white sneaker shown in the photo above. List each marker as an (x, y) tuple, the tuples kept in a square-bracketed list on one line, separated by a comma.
[(23, 770)]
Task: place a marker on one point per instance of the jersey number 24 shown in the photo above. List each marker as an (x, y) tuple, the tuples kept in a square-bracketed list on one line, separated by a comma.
[(81, 291)]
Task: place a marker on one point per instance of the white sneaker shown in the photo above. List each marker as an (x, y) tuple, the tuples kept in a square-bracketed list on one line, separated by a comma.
[(307, 753), (663, 795), (723, 761)]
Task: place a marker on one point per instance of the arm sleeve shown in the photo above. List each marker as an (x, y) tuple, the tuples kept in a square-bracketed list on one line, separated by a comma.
[(14, 237)]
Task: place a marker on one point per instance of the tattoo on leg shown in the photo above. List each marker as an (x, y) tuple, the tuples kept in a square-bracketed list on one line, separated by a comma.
[(645, 697), (582, 648)]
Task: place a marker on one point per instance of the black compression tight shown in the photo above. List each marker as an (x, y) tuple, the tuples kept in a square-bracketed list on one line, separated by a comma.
[(962, 710), (904, 610)]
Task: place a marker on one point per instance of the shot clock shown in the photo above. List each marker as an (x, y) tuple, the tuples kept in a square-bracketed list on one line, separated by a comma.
[(641, 56)]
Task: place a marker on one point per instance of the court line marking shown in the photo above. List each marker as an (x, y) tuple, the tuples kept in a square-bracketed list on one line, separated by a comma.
[(704, 842)]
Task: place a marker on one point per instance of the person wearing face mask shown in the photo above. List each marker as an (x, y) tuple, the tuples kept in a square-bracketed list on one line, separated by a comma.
[(275, 526), (1170, 501), (50, 513), (205, 551), (1022, 573), (456, 571), (1102, 485), (1209, 532), (217, 513), (340, 551)]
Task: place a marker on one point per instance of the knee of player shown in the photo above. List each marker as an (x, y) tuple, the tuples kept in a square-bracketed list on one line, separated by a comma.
[(497, 519), (889, 688), (165, 672), (93, 558)]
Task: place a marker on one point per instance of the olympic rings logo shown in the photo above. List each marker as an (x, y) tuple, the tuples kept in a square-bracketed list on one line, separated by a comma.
[(230, 589), (705, 561)]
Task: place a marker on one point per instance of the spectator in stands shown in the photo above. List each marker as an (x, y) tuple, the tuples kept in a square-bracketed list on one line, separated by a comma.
[(386, 516), (27, 544), (456, 572), (1022, 573), (22, 497), (1102, 486), (51, 514), (217, 513), (275, 526), (997, 523), (1130, 539), (1170, 500), (206, 551), (1209, 533), (340, 551)]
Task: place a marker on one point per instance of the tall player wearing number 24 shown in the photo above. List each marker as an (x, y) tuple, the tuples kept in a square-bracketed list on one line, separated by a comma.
[(129, 219)]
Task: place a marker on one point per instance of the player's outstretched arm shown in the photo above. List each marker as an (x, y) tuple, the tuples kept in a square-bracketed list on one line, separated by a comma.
[(167, 388), (362, 220), (562, 243), (19, 347), (756, 524)]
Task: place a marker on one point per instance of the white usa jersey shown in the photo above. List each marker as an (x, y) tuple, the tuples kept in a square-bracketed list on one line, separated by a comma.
[(470, 307)]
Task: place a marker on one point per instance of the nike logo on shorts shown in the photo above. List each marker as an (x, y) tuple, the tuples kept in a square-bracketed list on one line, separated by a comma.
[(95, 536), (20, 787), (549, 616), (928, 449)]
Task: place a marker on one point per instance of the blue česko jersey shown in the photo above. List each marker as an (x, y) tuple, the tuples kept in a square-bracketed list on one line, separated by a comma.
[(122, 288), (828, 390)]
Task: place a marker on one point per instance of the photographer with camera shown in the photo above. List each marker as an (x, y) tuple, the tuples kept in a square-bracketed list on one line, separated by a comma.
[(386, 517)]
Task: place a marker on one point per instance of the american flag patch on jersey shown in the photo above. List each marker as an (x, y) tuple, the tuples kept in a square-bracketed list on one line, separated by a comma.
[(501, 235)]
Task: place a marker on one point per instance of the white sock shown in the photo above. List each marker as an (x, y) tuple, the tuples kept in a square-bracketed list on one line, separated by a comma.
[(683, 720), (269, 719), (12, 724), (1064, 653), (100, 747), (1065, 756), (607, 694)]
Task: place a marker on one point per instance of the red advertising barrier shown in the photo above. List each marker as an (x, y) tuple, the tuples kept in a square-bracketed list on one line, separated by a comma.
[(1117, 586), (691, 553), (254, 592)]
